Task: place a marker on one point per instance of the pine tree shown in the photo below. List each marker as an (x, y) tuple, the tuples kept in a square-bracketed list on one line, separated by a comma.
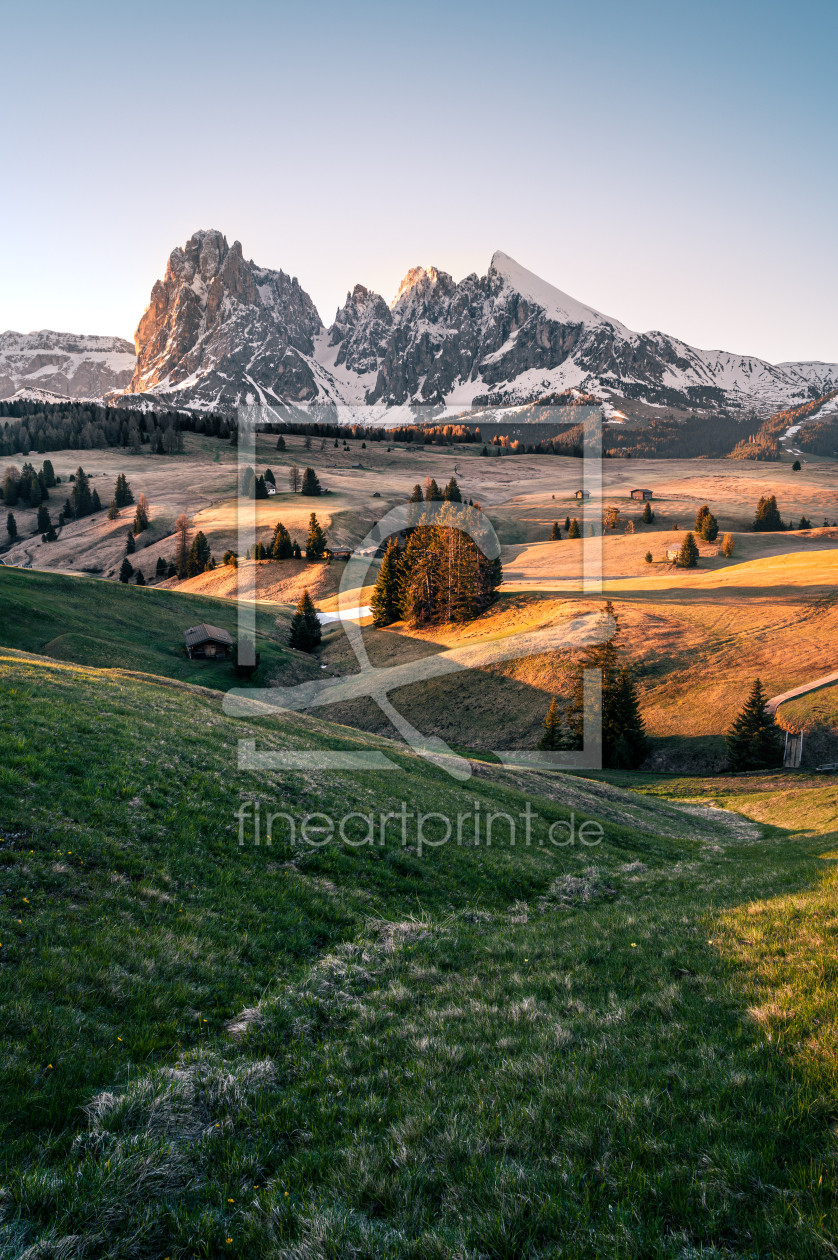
[(160, 570), (754, 742), (126, 570), (96, 502), (566, 524), (142, 515), (11, 525), (385, 602), (113, 510), (310, 485), (183, 528), (805, 523), (81, 496), (648, 557), (140, 578), (130, 545), (551, 740), (305, 626), (628, 730), (727, 545), (122, 492), (451, 493), (555, 532), (796, 466), (269, 477), (171, 570), (280, 443), (199, 555), (50, 535), (49, 473), (433, 493), (573, 530), (283, 548), (260, 490), (648, 517), (43, 519), (688, 555), (316, 540)]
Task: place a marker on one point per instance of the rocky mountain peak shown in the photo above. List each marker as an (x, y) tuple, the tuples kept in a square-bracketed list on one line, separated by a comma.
[(421, 285)]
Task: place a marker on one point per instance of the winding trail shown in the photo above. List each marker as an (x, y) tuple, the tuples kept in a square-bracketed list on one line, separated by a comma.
[(775, 701)]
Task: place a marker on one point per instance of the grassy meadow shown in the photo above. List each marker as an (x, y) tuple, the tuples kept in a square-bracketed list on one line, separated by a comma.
[(214, 1049)]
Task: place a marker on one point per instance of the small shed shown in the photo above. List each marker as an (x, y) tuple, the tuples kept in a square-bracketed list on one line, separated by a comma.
[(270, 487), (583, 494), (208, 643), (340, 553), (672, 553), (641, 494)]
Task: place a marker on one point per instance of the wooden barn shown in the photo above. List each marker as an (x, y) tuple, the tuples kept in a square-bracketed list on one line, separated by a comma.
[(641, 494), (208, 643), (583, 494)]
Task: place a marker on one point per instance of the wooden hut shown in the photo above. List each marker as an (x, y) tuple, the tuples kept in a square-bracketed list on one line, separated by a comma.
[(641, 494), (208, 643)]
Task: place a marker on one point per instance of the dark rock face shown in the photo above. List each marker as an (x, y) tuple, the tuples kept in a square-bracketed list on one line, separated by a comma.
[(219, 329)]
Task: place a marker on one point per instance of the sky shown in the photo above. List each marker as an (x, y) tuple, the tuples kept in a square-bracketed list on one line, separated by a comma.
[(674, 165)]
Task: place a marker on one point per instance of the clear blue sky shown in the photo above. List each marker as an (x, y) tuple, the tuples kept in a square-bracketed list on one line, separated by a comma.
[(673, 164)]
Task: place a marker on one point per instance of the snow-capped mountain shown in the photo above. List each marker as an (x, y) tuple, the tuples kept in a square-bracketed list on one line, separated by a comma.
[(220, 331), (68, 365)]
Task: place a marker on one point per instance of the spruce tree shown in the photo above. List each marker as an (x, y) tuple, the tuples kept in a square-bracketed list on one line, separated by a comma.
[(451, 493), (96, 502), (113, 510), (706, 525), (140, 578), (11, 525), (283, 548), (260, 490), (385, 602), (126, 570), (171, 571), (648, 517), (305, 626), (433, 493), (573, 530), (199, 555), (551, 740), (316, 539), (310, 485), (648, 557), (141, 515), (50, 535), (805, 523), (566, 524), (122, 492), (796, 466), (160, 570), (628, 730), (754, 742), (688, 555), (81, 497), (43, 519), (130, 545), (280, 443), (49, 473), (269, 477), (555, 532)]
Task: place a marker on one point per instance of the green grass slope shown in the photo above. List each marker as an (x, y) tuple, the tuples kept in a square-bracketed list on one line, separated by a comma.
[(362, 1050), (109, 625)]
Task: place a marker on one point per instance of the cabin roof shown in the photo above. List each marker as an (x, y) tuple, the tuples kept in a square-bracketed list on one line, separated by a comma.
[(206, 634)]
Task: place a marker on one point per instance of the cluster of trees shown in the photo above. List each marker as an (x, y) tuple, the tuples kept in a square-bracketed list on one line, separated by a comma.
[(28, 486), (706, 525), (768, 519), (572, 529), (715, 437), (42, 427), (283, 547), (624, 743), (440, 576)]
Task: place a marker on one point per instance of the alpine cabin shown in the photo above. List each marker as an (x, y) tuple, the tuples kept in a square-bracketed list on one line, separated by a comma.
[(207, 643)]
